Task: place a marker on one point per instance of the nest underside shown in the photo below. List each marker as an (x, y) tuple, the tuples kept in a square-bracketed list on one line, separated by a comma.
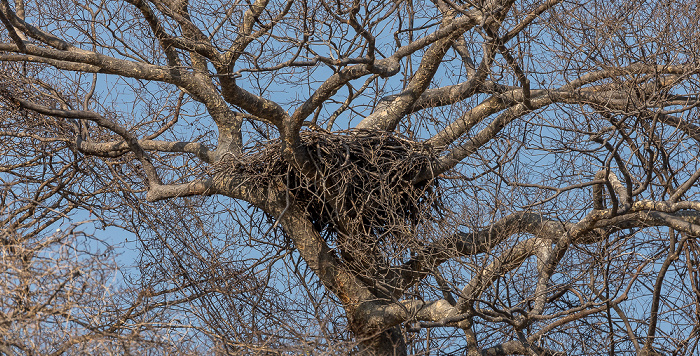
[(363, 186)]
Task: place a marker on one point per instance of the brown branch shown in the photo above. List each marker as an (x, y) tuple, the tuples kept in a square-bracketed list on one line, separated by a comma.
[(244, 37), (378, 315), (90, 60), (388, 118), (596, 226), (198, 187), (30, 30), (128, 137), (529, 18), (118, 148), (11, 30), (59, 64)]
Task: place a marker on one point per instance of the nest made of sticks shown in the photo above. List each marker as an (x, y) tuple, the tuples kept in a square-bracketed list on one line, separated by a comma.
[(365, 179)]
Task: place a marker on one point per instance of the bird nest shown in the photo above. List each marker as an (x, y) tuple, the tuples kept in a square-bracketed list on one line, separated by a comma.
[(364, 183)]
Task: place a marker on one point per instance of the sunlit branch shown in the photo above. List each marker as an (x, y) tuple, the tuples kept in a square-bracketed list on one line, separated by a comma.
[(118, 148), (199, 187)]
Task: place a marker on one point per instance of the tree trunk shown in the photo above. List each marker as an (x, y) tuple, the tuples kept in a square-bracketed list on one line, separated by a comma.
[(389, 342)]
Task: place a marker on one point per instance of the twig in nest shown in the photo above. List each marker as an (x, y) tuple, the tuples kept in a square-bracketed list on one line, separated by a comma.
[(365, 186)]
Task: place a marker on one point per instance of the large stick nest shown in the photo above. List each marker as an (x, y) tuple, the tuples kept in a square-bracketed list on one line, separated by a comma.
[(364, 183)]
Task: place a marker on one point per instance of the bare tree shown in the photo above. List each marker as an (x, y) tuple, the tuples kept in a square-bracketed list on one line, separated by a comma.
[(489, 177), (62, 288)]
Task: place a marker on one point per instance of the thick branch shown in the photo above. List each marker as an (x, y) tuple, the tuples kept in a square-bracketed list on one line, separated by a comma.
[(131, 140), (643, 213), (387, 118), (378, 315), (90, 60), (198, 187), (30, 30), (118, 148)]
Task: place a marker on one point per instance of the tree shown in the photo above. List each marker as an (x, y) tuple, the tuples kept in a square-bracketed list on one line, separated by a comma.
[(490, 177), (60, 286)]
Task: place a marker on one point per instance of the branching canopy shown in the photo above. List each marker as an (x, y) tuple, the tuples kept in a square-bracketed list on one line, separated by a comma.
[(491, 177)]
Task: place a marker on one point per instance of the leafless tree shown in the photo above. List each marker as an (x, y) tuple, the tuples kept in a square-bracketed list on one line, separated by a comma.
[(489, 177), (62, 290)]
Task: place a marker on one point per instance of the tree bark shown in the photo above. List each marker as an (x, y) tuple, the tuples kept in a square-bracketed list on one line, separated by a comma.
[(388, 342)]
